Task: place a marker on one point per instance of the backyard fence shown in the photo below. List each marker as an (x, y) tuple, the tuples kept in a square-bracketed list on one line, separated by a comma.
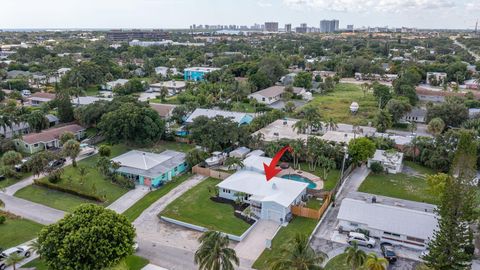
[(210, 173), (312, 213), (182, 140)]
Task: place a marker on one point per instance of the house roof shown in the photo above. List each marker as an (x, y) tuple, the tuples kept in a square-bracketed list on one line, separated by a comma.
[(149, 164), (52, 118), (276, 90), (389, 218), (210, 113), (278, 190), (201, 69), (417, 112), (163, 109), (14, 128), (51, 134), (87, 100), (386, 156), (255, 163), (169, 84), (339, 137), (42, 96)]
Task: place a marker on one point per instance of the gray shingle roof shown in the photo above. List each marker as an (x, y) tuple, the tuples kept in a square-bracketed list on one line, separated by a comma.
[(149, 164)]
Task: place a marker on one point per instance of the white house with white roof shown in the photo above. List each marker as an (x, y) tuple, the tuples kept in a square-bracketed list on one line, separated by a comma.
[(239, 117), (110, 85), (399, 225), (271, 199), (391, 160)]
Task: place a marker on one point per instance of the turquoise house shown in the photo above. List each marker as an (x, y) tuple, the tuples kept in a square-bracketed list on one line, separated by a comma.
[(197, 73), (239, 117), (151, 169)]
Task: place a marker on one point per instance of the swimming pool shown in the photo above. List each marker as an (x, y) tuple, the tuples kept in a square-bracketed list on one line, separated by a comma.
[(299, 178)]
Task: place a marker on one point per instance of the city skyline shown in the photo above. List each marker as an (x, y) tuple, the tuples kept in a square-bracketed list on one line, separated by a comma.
[(183, 13)]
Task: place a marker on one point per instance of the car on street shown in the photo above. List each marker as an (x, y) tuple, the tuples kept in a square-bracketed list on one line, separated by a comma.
[(361, 239), (23, 251), (388, 252)]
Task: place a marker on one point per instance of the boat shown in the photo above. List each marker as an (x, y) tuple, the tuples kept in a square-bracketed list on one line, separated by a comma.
[(217, 158)]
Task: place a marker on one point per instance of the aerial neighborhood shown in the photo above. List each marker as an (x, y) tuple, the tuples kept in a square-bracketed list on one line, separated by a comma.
[(234, 147)]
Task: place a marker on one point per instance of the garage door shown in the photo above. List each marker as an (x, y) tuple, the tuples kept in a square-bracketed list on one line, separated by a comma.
[(275, 216)]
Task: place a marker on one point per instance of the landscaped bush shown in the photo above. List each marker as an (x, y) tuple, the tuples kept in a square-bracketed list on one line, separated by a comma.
[(55, 176), (70, 191), (376, 167), (2, 219), (123, 181)]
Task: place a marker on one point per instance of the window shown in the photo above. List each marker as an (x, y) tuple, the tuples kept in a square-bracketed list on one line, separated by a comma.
[(175, 169), (353, 224), (415, 239), (226, 190), (35, 145), (263, 99), (391, 234)]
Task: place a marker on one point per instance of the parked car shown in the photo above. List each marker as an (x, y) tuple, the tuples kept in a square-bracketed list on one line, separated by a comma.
[(361, 239), (23, 251), (26, 93), (2, 177), (388, 252), (56, 163)]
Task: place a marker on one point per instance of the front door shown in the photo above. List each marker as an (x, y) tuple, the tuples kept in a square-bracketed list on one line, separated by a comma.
[(147, 181)]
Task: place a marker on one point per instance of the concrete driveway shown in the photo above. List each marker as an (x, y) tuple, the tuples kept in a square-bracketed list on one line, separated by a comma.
[(128, 199), (253, 245)]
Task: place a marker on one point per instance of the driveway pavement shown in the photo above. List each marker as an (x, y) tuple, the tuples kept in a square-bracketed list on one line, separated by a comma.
[(128, 199), (253, 245)]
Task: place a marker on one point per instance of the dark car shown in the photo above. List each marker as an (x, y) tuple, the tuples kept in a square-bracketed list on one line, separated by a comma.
[(388, 252), (56, 163), (2, 177)]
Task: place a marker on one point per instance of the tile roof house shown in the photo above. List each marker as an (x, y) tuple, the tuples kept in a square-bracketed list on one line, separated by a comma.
[(47, 139), (164, 110), (38, 98), (151, 169), (240, 118)]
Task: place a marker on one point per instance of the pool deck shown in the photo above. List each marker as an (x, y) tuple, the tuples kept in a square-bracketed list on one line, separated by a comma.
[(317, 180)]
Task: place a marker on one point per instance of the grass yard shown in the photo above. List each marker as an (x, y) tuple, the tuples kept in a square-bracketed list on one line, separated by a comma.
[(168, 100), (92, 90), (94, 184), (195, 207), (52, 198), (400, 186), (10, 181), (332, 177), (337, 263), (284, 237), (132, 262), (136, 210), (314, 203), (164, 145), (418, 168), (17, 231), (337, 104), (242, 107)]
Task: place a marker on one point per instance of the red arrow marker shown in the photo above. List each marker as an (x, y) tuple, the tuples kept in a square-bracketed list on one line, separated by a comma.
[(271, 170)]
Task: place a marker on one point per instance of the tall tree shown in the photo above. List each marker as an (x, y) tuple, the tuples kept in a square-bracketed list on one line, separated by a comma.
[(214, 252), (361, 149), (64, 106), (383, 120), (355, 257), (71, 149), (13, 260), (373, 262), (436, 126), (297, 255), (73, 242), (37, 120)]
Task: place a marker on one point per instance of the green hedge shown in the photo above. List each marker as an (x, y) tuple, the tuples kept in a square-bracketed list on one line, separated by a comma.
[(70, 191)]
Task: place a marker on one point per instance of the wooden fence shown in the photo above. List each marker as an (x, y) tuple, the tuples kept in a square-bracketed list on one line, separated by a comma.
[(312, 213), (210, 173)]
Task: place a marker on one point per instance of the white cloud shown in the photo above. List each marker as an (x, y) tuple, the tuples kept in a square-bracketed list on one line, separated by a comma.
[(394, 6), (264, 4), (472, 6)]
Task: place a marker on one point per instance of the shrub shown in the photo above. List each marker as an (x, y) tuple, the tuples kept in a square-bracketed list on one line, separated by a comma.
[(123, 181), (376, 167), (104, 151), (2, 219), (55, 176)]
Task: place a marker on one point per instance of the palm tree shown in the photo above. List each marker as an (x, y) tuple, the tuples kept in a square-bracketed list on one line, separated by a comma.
[(373, 262), (13, 259), (355, 257), (332, 124), (298, 255), (214, 253), (298, 146), (300, 126), (234, 162), (34, 246)]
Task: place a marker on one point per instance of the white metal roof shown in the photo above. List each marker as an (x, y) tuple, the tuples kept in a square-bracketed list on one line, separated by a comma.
[(235, 116), (389, 218), (278, 190), (149, 164), (385, 156), (255, 163)]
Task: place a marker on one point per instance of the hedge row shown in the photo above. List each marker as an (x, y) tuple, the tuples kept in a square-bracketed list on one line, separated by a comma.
[(70, 191)]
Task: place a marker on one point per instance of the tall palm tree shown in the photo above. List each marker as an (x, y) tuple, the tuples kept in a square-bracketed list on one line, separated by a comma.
[(373, 262), (13, 259), (34, 246), (234, 162), (214, 253), (298, 146), (355, 257), (298, 255), (332, 124)]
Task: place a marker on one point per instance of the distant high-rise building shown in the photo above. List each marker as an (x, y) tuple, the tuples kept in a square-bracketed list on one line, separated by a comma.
[(350, 27), (288, 28), (271, 26), (329, 26), (128, 35), (302, 29)]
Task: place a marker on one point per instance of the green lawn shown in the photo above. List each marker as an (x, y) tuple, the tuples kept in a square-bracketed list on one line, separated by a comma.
[(136, 210), (337, 263), (284, 237), (195, 207), (168, 100), (10, 181), (332, 177), (52, 198), (164, 145), (92, 90), (94, 184), (400, 186), (417, 167), (16, 231), (242, 107), (337, 104), (314, 203), (133, 262)]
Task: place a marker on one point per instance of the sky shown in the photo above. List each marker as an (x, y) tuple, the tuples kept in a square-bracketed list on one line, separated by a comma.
[(168, 14)]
